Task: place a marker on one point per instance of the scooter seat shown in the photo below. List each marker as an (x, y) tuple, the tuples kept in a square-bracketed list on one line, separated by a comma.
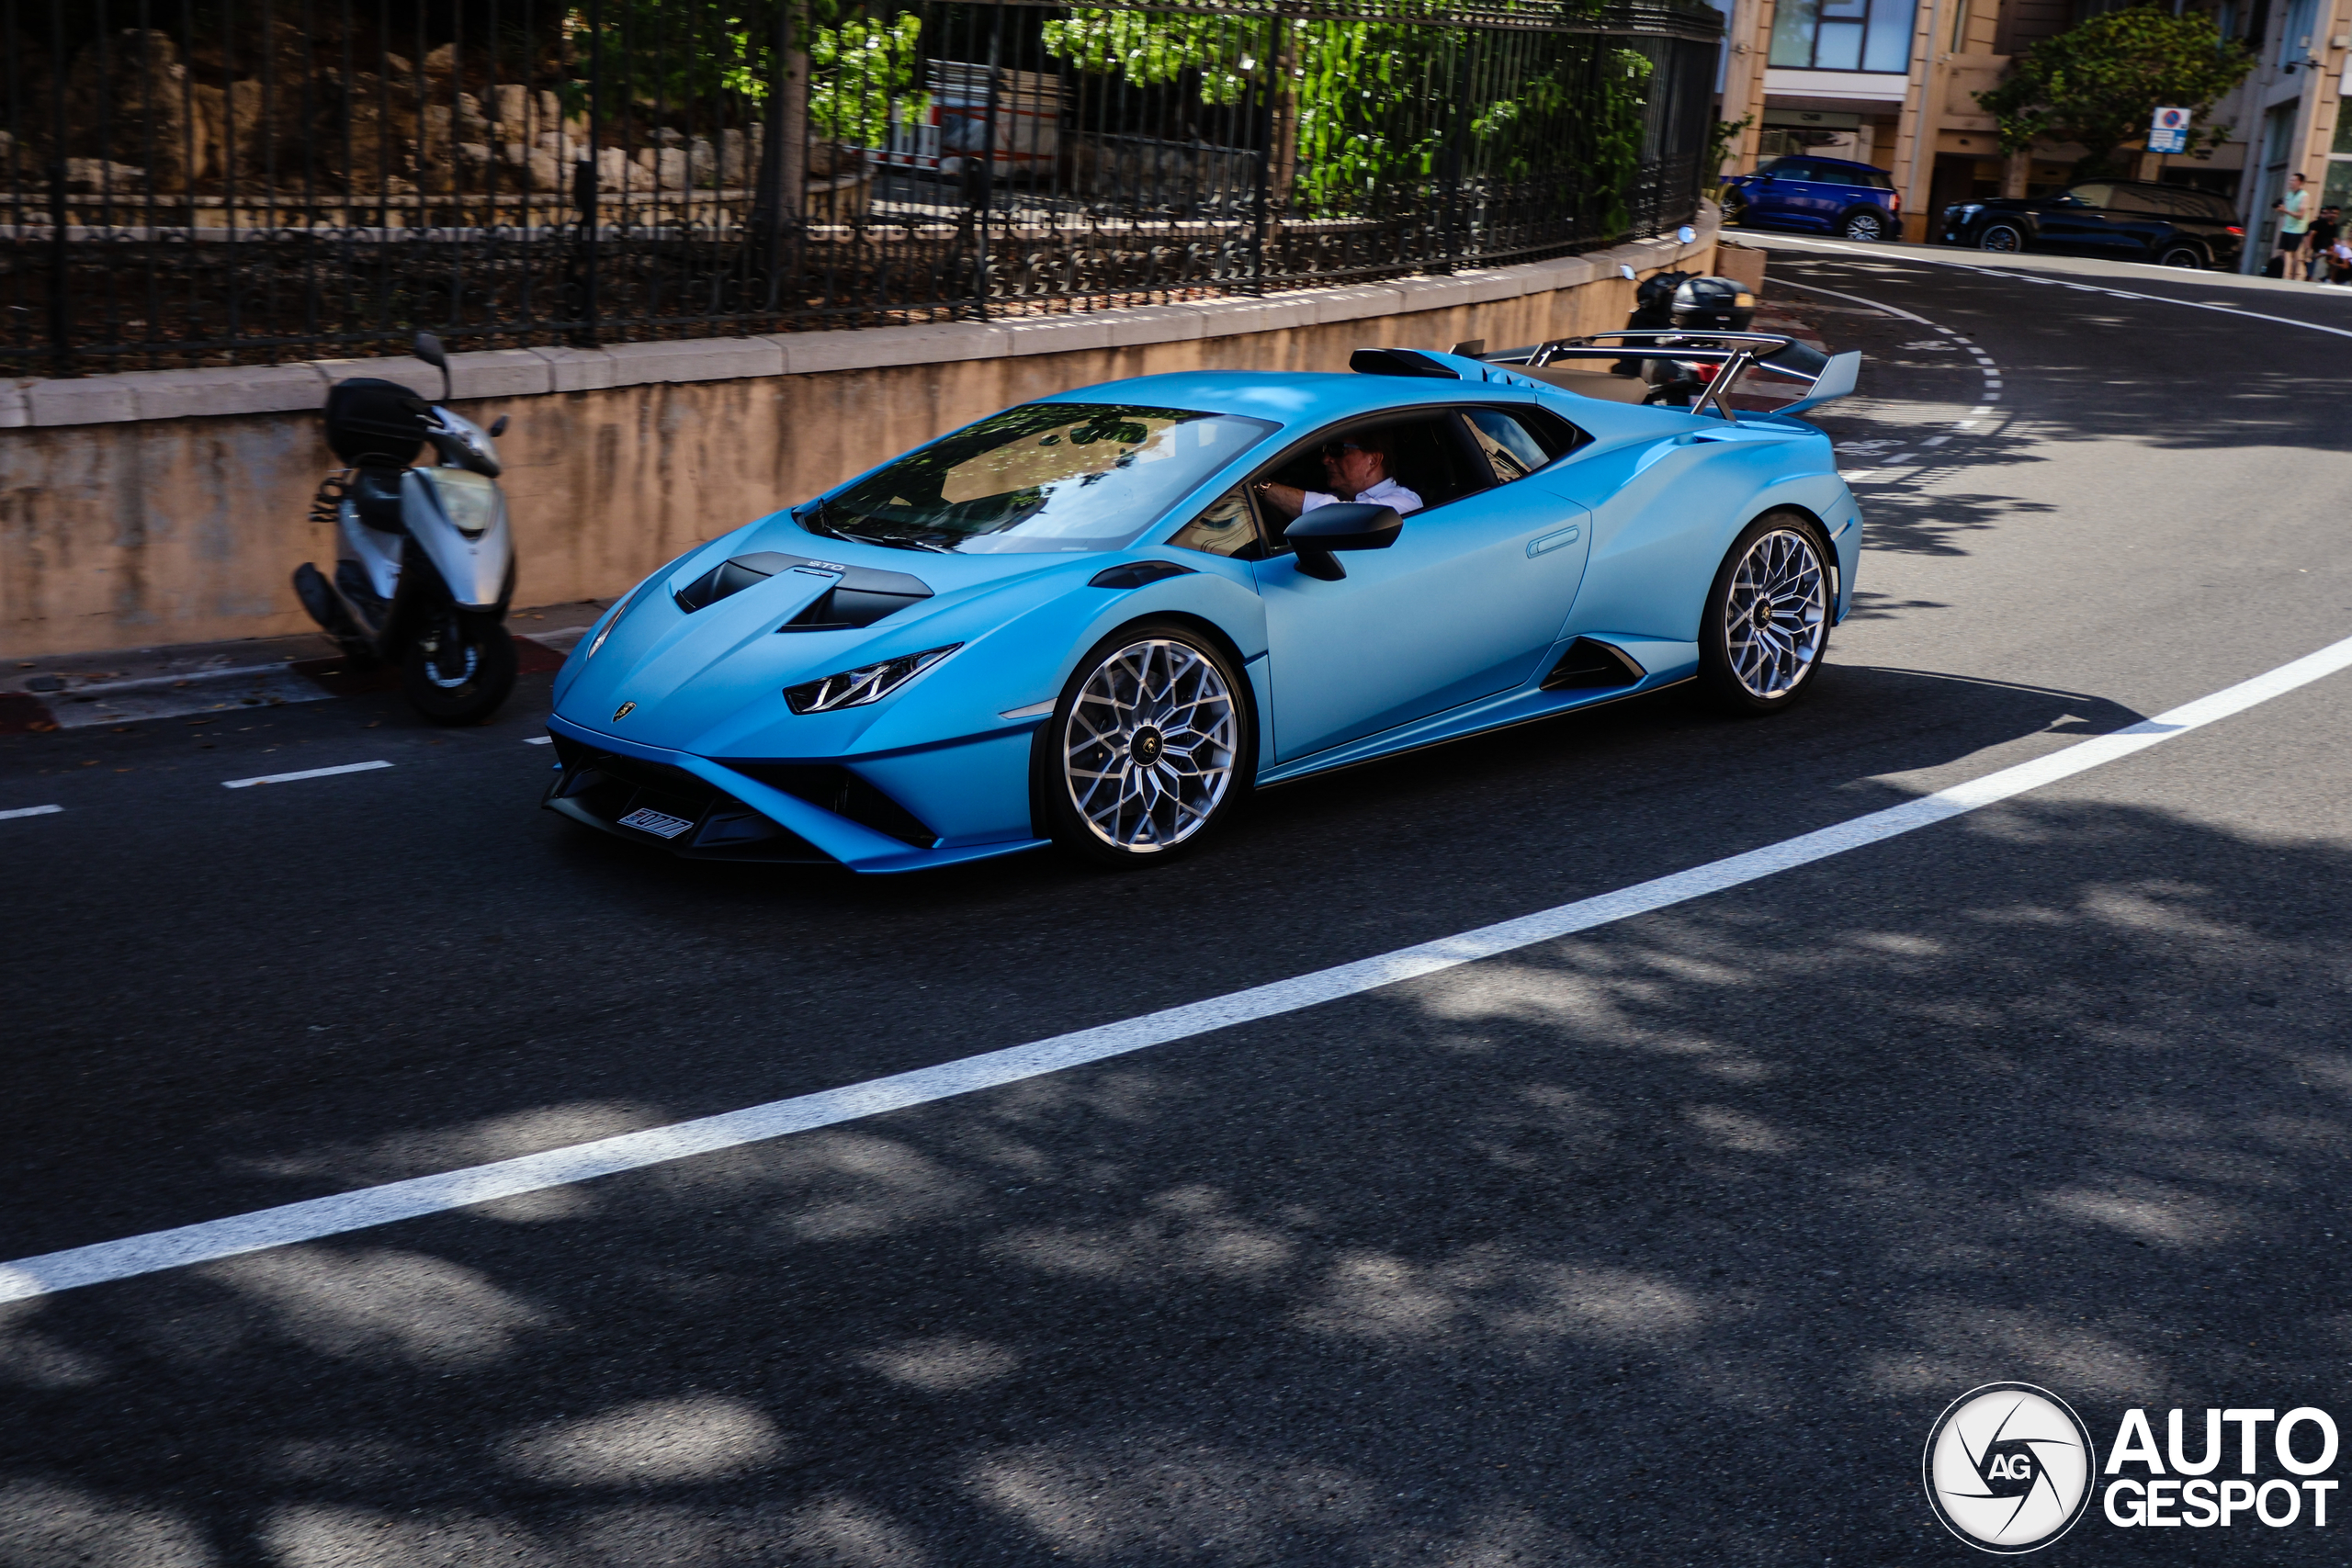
[(376, 494)]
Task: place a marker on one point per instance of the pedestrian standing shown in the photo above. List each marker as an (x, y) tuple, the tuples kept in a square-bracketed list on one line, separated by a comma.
[(2294, 212), (2326, 232)]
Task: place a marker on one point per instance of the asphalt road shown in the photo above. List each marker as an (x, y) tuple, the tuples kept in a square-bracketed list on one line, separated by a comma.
[(1662, 1243)]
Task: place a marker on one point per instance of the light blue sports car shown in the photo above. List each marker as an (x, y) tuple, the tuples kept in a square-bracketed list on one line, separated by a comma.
[(1101, 619)]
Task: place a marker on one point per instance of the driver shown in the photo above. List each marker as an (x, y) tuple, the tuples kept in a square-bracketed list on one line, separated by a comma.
[(1358, 469)]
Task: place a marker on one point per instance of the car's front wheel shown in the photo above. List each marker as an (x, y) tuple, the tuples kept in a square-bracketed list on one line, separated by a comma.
[(1865, 223), (1767, 614), (1151, 749), (1734, 208), (2003, 238)]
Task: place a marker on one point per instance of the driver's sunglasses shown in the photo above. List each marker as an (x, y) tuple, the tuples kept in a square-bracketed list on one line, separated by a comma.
[(1333, 448)]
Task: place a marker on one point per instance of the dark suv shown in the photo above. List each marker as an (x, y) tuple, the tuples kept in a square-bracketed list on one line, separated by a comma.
[(2122, 220), (1828, 196)]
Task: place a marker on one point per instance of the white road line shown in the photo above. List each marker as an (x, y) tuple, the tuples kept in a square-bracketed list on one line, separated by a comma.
[(2029, 278), (305, 774), (419, 1196), (31, 811), (538, 740)]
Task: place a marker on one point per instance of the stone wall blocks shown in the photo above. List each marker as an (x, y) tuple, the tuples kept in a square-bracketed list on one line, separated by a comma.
[(1056, 335), (1434, 293), (1148, 324), (1231, 318), (575, 369), (944, 342), (14, 412), (1355, 304), (1486, 287), (414, 374), (239, 389), (694, 359), (500, 373), (83, 400)]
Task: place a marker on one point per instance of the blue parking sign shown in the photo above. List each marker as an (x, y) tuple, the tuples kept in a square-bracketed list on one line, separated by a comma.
[(2169, 131)]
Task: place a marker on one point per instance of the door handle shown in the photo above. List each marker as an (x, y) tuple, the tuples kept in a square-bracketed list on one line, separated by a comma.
[(1554, 540)]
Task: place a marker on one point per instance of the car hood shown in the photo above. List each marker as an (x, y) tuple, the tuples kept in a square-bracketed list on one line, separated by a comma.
[(710, 678)]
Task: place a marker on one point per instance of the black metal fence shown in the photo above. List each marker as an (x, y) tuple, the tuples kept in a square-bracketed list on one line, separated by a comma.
[(189, 182)]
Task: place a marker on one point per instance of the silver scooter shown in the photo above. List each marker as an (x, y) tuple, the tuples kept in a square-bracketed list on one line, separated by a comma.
[(424, 562)]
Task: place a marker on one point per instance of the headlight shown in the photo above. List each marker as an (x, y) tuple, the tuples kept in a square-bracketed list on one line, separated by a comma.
[(855, 688), (470, 501)]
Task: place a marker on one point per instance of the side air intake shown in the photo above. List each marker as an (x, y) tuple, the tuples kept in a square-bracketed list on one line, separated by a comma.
[(1587, 665)]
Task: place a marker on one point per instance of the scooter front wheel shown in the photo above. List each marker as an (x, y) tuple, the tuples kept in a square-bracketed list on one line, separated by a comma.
[(458, 668)]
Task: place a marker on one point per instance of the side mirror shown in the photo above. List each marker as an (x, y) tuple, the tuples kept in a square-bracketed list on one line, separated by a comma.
[(1343, 525), (498, 425), (1687, 235), (429, 349)]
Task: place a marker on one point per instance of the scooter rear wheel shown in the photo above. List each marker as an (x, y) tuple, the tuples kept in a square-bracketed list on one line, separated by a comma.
[(460, 667)]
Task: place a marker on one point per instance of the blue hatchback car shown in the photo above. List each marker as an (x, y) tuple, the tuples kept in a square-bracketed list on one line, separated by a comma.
[(1826, 195)]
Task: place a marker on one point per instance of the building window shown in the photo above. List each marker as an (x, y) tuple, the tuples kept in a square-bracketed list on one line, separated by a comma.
[(1843, 35), (2295, 38)]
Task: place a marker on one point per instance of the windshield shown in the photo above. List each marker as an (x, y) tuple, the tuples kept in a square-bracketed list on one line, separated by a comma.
[(1040, 476)]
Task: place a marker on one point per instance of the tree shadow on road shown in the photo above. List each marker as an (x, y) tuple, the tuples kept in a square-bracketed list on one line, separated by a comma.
[(1571, 1255)]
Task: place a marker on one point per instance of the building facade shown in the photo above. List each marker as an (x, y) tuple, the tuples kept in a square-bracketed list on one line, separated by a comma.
[(1893, 83)]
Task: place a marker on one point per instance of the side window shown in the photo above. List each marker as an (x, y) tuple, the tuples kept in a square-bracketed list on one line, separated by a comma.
[(1227, 527), (2101, 195), (2128, 199), (1517, 443)]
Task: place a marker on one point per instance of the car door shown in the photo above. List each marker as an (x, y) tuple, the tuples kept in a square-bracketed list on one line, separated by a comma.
[(2075, 220), (1470, 596), (1805, 198), (2139, 219)]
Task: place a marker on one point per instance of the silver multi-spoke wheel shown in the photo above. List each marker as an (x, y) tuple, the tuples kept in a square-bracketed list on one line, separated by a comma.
[(1776, 614), (1149, 751)]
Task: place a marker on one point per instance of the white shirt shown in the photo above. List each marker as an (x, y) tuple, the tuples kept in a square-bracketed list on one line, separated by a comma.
[(1387, 493)]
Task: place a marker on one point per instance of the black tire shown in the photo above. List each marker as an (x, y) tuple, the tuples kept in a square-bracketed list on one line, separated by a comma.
[(2003, 239), (1867, 224), (1152, 769), (2180, 253), (1738, 670), (466, 672), (1735, 209)]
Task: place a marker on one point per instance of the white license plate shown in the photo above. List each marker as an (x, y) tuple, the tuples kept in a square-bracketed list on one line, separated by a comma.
[(660, 824)]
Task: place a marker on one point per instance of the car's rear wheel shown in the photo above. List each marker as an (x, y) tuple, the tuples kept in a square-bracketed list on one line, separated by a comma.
[(1865, 223), (2181, 256), (1151, 749), (1767, 614), (2004, 238)]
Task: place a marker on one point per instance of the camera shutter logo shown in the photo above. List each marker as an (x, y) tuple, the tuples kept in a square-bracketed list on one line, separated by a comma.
[(2009, 1468)]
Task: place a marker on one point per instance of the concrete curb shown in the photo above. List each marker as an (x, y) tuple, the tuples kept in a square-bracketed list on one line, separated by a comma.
[(524, 372)]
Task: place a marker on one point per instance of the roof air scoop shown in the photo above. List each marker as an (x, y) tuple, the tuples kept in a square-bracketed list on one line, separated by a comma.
[(1399, 362)]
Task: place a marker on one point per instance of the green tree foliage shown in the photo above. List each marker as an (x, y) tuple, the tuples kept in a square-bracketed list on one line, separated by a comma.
[(2100, 83), (1375, 102)]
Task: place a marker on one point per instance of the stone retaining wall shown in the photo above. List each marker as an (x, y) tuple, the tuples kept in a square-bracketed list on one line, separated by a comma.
[(169, 506)]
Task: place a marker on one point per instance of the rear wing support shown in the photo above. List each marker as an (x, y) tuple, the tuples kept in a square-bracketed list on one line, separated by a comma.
[(1827, 376)]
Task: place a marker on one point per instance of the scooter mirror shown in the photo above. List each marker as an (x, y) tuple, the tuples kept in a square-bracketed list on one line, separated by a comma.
[(498, 425), (1687, 235), (1626, 272), (429, 349)]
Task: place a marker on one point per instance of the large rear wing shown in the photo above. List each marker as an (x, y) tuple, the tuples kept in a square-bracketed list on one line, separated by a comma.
[(1825, 376)]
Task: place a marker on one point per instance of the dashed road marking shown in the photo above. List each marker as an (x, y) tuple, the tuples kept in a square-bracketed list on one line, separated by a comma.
[(538, 740), (305, 774), (31, 811), (419, 1196)]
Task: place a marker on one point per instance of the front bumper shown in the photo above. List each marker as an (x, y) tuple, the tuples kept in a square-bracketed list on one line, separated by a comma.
[(797, 813)]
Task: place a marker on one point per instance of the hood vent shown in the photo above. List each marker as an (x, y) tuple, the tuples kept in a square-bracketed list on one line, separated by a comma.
[(859, 597)]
